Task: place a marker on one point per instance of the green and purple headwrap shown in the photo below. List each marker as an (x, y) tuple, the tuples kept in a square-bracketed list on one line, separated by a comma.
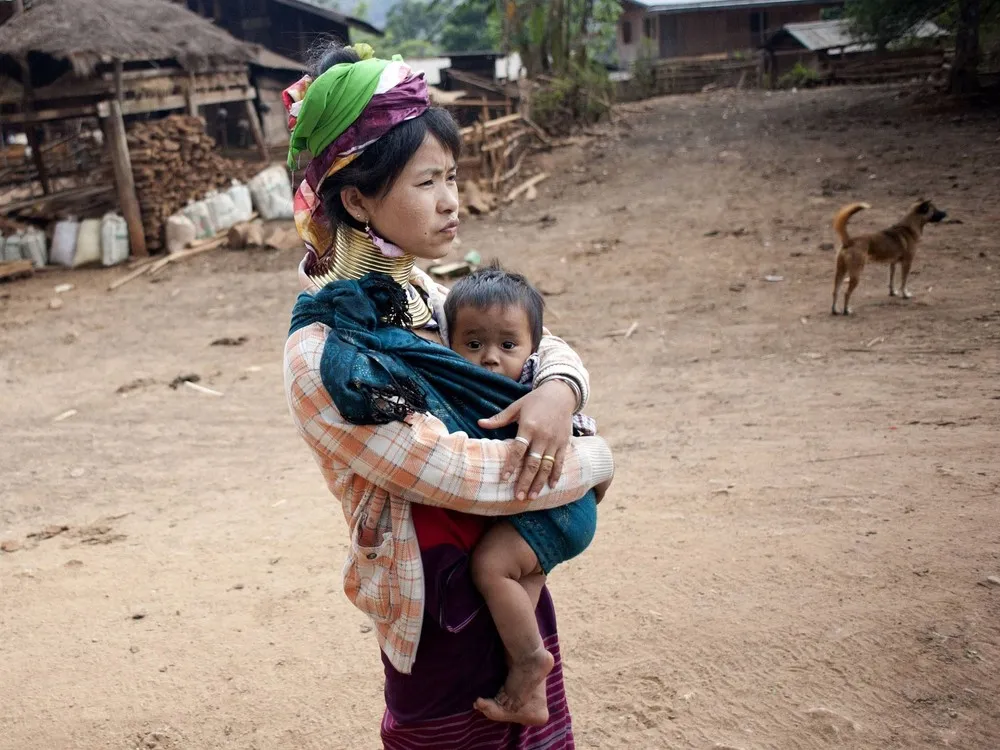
[(335, 118)]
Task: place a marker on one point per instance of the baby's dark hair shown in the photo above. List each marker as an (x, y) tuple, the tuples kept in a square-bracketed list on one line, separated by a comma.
[(494, 287)]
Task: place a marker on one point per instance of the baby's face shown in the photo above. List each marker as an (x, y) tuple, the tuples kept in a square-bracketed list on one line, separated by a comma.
[(498, 338)]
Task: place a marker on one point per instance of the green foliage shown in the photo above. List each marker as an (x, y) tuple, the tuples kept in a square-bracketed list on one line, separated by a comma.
[(886, 21), (799, 77), (644, 70), (975, 24), (581, 96), (470, 26)]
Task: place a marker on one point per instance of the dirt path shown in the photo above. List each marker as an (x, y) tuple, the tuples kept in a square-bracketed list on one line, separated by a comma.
[(796, 551)]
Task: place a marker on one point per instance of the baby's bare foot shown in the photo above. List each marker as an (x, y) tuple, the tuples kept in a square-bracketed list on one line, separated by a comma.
[(524, 676), (533, 712)]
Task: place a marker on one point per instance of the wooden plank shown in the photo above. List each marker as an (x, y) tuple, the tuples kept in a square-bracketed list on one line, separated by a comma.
[(44, 115), (222, 97), (13, 269), (180, 101), (491, 124), (504, 140), (154, 104), (74, 193), (114, 130)]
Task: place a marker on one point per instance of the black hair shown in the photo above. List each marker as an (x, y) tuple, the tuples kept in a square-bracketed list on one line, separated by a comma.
[(379, 166), (494, 287)]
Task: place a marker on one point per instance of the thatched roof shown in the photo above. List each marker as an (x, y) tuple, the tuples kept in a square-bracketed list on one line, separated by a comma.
[(89, 32)]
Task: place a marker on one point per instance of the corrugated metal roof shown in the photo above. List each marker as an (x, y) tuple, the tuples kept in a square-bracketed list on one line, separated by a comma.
[(817, 36), (669, 6)]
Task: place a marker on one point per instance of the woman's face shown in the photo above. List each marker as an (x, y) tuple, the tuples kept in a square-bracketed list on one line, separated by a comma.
[(420, 213)]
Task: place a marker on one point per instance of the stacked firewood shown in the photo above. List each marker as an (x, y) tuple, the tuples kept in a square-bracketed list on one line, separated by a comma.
[(174, 161)]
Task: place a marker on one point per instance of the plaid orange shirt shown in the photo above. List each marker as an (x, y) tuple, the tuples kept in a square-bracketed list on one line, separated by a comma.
[(378, 470)]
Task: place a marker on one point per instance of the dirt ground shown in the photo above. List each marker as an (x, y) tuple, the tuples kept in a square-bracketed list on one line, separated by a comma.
[(796, 551)]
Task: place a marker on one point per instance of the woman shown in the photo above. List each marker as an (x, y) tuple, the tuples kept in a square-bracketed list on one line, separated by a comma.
[(379, 192)]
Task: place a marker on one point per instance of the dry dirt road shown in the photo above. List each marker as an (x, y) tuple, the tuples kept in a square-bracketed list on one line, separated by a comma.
[(796, 551)]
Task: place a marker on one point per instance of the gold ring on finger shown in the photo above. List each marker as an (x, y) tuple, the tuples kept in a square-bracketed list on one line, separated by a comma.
[(548, 459)]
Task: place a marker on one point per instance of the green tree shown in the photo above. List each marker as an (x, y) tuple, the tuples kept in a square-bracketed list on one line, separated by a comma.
[(886, 21), (470, 26), (415, 20)]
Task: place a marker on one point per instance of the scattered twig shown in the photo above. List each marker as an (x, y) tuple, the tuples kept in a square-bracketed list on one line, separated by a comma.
[(512, 172), (542, 135), (625, 332), (201, 389), (526, 186), (155, 265), (847, 458), (142, 269)]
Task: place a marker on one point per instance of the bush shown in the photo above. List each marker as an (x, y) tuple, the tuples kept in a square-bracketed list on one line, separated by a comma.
[(581, 97), (644, 71), (799, 77)]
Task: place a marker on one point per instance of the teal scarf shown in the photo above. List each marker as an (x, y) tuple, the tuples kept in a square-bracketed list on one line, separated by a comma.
[(377, 371)]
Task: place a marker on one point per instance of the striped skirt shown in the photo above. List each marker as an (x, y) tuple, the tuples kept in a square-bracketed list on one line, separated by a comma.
[(460, 659)]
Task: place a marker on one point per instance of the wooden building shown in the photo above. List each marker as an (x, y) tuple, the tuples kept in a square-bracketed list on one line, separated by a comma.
[(291, 28), (102, 61), (693, 28), (828, 49)]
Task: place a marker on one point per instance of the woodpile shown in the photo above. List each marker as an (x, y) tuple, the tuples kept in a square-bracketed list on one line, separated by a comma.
[(493, 154), (174, 161)]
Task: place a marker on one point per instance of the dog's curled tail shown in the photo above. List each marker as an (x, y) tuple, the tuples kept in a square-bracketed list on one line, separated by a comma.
[(843, 216)]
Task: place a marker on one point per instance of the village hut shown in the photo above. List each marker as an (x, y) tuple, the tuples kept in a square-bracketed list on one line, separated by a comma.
[(62, 60)]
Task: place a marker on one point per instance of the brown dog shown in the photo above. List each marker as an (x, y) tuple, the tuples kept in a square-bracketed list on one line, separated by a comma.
[(897, 244)]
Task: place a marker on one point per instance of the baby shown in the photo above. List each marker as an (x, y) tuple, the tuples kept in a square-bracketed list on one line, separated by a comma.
[(495, 321)]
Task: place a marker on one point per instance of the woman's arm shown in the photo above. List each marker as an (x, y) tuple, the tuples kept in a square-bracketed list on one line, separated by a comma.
[(418, 459), (544, 416), (558, 361)]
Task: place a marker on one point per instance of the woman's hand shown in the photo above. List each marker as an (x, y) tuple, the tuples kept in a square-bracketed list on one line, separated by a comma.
[(544, 426)]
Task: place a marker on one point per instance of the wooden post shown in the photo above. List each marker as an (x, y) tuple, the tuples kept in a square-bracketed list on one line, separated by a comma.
[(31, 130), (114, 130), (192, 108), (257, 131), (120, 81)]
